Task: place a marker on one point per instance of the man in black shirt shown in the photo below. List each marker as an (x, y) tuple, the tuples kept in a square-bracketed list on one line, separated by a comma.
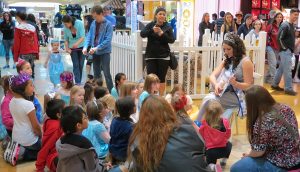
[(286, 40)]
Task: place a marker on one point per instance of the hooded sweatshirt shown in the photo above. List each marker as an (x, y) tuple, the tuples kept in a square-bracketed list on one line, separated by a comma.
[(51, 133), (25, 41), (77, 157)]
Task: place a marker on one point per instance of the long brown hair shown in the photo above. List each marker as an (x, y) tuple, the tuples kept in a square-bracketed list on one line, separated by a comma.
[(126, 88), (203, 17), (213, 112), (149, 80), (259, 101), (156, 123), (227, 24)]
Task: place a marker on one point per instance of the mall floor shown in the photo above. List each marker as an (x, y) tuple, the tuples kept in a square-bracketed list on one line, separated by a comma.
[(239, 140)]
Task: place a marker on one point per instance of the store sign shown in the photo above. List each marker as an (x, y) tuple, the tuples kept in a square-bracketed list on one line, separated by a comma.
[(186, 22)]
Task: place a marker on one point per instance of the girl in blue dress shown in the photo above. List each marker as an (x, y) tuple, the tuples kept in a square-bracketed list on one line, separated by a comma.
[(54, 63)]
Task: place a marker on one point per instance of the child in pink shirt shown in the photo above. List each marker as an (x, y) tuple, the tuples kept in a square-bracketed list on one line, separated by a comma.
[(7, 119)]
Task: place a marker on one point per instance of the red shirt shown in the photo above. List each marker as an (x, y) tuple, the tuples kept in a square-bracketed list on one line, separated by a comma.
[(215, 138), (272, 33), (25, 41), (51, 133)]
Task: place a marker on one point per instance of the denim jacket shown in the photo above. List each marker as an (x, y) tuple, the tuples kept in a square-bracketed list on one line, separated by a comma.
[(105, 36)]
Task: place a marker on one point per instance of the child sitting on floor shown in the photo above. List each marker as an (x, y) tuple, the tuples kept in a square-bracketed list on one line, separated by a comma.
[(96, 131), (75, 152), (215, 132), (48, 156), (121, 129)]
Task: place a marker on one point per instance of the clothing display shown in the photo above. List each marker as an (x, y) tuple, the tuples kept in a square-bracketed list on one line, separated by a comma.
[(74, 10)]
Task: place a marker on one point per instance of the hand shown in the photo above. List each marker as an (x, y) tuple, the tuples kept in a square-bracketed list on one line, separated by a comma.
[(245, 155), (84, 51), (68, 50), (75, 45), (218, 89), (92, 51), (233, 81), (156, 29)]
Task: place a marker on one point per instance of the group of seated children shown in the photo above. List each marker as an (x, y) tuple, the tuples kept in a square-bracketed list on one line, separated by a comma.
[(87, 128)]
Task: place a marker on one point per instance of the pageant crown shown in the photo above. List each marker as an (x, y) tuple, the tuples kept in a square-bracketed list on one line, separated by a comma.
[(19, 79), (229, 37)]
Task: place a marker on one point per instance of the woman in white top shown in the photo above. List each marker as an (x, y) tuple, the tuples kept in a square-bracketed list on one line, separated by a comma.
[(254, 33), (26, 131)]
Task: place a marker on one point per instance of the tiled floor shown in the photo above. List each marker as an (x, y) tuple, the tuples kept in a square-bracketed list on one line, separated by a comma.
[(240, 142)]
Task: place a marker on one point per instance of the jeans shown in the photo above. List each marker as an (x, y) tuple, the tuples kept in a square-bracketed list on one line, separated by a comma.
[(7, 46), (30, 59), (78, 62), (272, 61), (248, 164), (102, 62), (285, 69)]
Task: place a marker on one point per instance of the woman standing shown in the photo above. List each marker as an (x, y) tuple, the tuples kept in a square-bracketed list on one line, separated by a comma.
[(273, 134), (74, 42), (273, 47), (205, 24), (159, 34), (158, 134), (7, 27), (229, 24), (236, 70)]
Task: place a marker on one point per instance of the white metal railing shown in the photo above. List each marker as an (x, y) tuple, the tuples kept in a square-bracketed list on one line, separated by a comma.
[(193, 67)]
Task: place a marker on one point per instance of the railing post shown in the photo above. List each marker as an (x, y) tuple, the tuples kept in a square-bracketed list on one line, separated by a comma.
[(138, 56), (262, 52)]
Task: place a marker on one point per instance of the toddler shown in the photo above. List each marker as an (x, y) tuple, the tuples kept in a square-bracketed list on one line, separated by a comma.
[(77, 96)]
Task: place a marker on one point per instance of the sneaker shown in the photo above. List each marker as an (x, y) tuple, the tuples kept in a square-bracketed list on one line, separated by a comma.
[(277, 88), (223, 162), (290, 92), (11, 153)]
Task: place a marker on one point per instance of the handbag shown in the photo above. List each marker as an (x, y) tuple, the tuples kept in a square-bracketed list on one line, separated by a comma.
[(173, 63)]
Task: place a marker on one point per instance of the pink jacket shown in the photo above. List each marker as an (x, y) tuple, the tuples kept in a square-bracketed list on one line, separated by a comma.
[(214, 138), (7, 119)]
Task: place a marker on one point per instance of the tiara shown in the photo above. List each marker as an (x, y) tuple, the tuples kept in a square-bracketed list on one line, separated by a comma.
[(19, 79), (229, 38), (66, 76)]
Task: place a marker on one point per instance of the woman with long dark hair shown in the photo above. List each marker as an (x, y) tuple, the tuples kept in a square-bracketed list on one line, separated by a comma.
[(273, 134), (234, 74), (205, 24), (7, 27), (74, 42), (272, 47), (157, 134), (159, 34)]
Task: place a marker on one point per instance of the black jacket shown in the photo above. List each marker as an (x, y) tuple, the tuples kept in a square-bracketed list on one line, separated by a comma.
[(8, 30), (286, 36), (202, 27), (158, 46)]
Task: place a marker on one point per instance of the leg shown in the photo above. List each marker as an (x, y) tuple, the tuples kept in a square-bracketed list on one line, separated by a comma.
[(279, 71), (248, 164), (151, 66), (287, 71), (105, 65), (162, 66), (76, 66), (32, 151), (296, 65), (81, 63), (217, 153), (6, 49), (96, 66), (272, 64)]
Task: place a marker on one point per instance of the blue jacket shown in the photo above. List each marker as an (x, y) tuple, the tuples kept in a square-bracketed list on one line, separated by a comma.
[(105, 36)]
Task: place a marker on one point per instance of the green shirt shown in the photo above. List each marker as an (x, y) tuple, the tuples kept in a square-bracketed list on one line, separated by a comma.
[(80, 33)]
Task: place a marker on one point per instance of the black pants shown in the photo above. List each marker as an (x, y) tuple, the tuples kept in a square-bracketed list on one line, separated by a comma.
[(295, 68), (30, 59), (216, 153), (32, 151), (158, 67)]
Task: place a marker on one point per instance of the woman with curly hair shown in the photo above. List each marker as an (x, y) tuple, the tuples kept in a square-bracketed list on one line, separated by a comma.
[(236, 68), (229, 24), (157, 134)]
